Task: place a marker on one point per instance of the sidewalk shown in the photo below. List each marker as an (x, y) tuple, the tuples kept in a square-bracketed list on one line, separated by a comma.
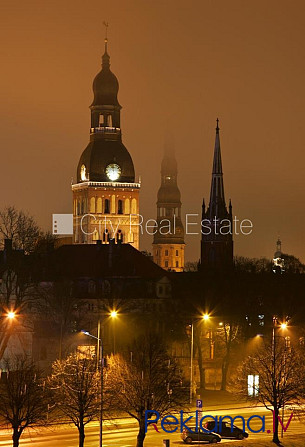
[(220, 400)]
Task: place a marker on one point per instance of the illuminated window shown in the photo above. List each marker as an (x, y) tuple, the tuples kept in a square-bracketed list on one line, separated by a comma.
[(133, 206), (99, 206), (127, 206), (109, 121), (92, 205), (101, 120)]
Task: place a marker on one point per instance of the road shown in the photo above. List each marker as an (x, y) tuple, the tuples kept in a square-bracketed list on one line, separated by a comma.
[(125, 432)]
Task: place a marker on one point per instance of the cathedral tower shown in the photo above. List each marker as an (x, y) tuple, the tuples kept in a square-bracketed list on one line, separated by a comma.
[(217, 239), (105, 196), (168, 244)]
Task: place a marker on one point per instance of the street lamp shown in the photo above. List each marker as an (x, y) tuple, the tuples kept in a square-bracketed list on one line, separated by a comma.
[(11, 315), (282, 326), (100, 345), (113, 315), (205, 317)]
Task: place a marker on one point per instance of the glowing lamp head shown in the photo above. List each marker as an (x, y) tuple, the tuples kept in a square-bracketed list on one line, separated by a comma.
[(113, 314), (11, 315), (284, 326), (206, 317)]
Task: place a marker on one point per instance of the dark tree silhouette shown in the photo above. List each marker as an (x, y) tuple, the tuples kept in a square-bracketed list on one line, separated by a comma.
[(75, 386), (22, 398), (149, 380), (281, 378)]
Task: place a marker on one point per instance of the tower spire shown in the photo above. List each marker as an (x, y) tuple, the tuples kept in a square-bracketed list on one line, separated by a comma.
[(217, 196), (106, 57)]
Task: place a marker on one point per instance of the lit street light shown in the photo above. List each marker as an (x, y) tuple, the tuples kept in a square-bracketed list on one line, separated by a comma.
[(113, 315), (100, 346), (11, 315), (205, 317)]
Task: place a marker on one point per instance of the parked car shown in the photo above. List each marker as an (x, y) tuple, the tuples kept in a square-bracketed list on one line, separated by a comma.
[(225, 430), (189, 436)]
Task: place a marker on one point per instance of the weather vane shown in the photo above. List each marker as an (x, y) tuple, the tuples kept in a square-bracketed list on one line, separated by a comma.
[(106, 24)]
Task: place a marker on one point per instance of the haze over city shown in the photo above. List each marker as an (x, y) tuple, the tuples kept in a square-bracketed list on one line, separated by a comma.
[(180, 66)]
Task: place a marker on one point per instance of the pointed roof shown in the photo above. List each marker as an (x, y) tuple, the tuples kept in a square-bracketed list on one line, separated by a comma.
[(217, 205)]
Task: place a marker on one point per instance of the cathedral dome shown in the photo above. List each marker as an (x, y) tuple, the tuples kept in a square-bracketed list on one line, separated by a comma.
[(105, 85), (99, 155)]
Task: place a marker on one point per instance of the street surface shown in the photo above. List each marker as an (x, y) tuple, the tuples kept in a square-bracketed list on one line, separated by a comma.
[(125, 432)]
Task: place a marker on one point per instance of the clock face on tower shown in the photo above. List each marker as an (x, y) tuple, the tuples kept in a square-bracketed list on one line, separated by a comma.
[(113, 171)]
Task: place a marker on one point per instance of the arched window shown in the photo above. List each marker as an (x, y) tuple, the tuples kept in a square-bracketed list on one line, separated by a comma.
[(109, 121), (92, 205), (99, 207), (120, 207), (127, 206), (95, 235), (113, 204), (107, 210), (101, 120), (133, 206)]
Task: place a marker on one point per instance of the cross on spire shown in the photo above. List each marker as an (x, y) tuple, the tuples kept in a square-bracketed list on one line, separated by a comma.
[(106, 24)]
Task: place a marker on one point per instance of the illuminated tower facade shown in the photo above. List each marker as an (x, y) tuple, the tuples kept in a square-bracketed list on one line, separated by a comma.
[(278, 262), (106, 196), (217, 239), (168, 244)]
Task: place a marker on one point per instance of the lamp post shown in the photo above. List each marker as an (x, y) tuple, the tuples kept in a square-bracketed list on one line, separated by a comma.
[(100, 345), (281, 326), (205, 317), (113, 315)]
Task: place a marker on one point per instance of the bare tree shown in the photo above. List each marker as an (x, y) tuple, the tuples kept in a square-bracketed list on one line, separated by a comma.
[(228, 335), (281, 378), (20, 228), (75, 384), (22, 397), (150, 380)]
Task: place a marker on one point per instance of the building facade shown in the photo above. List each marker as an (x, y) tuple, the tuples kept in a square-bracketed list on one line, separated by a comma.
[(168, 243), (105, 195), (217, 229)]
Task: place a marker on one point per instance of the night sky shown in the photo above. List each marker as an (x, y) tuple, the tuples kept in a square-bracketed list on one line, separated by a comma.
[(180, 66)]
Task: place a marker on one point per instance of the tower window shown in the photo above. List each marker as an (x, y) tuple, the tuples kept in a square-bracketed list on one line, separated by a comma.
[(120, 207), (92, 205), (109, 121), (177, 253), (166, 252), (166, 264), (177, 264), (99, 206), (107, 208)]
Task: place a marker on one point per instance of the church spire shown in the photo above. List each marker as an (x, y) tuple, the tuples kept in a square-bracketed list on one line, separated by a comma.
[(217, 206), (216, 245)]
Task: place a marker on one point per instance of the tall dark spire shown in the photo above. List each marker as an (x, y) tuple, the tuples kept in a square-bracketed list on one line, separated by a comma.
[(217, 206), (217, 245)]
